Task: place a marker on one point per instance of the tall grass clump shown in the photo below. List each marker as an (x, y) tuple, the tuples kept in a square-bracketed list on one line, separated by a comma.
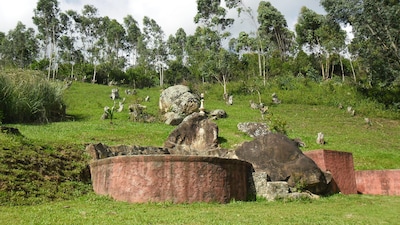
[(27, 97)]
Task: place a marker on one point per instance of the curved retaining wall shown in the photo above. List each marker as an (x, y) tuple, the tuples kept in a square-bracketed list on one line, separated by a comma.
[(172, 178)]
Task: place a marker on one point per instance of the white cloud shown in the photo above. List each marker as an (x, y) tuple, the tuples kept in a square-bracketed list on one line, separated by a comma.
[(170, 15), (16, 10)]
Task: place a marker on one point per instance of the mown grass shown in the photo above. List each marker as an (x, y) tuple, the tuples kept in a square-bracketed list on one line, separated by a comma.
[(90, 209)]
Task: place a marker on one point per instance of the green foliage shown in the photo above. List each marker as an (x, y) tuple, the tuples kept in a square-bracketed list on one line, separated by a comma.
[(27, 97), (32, 174), (140, 77), (376, 30)]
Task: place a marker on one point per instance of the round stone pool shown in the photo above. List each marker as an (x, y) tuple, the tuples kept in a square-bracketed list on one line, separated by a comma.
[(172, 178)]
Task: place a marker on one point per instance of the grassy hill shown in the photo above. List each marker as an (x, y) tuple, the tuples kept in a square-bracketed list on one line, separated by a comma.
[(48, 162), (374, 146)]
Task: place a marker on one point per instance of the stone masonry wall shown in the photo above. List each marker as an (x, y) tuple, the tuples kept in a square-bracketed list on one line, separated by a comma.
[(340, 165), (378, 182)]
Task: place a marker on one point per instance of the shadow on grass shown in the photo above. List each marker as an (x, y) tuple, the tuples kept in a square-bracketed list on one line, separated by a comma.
[(222, 140), (76, 117)]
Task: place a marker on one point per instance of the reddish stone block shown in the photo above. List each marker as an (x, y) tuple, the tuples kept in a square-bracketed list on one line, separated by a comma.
[(172, 178), (378, 182), (340, 165)]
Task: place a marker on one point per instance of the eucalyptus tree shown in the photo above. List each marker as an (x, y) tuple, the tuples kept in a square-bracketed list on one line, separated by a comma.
[(47, 19), (88, 23), (273, 27), (114, 43), (67, 44), (212, 15), (177, 46), (2, 46), (133, 35), (203, 47), (319, 35), (153, 50), (376, 30), (19, 47), (247, 47)]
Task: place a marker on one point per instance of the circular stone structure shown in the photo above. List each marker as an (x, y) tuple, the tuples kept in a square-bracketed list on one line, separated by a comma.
[(172, 178)]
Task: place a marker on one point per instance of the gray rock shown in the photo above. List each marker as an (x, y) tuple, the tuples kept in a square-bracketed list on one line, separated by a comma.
[(218, 113), (282, 160), (179, 99), (254, 129), (172, 118), (196, 135)]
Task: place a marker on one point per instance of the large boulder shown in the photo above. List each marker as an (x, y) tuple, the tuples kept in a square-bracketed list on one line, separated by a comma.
[(179, 99), (196, 135), (254, 129), (282, 160)]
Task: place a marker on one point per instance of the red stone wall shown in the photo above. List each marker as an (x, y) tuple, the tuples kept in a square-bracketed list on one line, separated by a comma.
[(340, 165), (378, 182), (172, 178)]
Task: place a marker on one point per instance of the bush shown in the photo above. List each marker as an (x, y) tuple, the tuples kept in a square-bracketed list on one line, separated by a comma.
[(27, 97)]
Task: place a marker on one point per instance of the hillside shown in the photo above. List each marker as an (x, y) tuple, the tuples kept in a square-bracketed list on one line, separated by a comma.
[(48, 161), (374, 146)]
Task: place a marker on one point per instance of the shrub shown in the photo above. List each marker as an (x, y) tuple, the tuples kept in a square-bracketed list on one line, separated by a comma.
[(27, 97)]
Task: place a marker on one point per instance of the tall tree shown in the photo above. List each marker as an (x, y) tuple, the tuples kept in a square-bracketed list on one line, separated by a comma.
[(19, 47), (88, 24), (153, 51), (2, 46), (273, 26), (177, 46), (46, 18), (212, 14), (114, 43), (376, 32), (68, 40), (320, 35), (133, 35)]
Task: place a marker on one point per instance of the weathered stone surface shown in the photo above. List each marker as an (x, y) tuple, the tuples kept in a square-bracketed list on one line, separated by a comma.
[(340, 165), (282, 160), (172, 118), (274, 190), (179, 99), (196, 135), (102, 151), (254, 129), (172, 178), (218, 113)]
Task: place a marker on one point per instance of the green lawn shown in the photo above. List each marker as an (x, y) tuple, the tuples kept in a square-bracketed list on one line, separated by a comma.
[(338, 209)]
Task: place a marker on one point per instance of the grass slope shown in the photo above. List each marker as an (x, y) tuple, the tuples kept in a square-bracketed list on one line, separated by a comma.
[(375, 146)]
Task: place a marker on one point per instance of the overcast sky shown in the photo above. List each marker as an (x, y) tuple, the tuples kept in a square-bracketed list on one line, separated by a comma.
[(169, 14)]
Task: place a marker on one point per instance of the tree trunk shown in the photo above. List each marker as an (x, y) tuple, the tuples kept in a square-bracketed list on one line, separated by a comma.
[(352, 70), (72, 71), (94, 74), (341, 67), (224, 86)]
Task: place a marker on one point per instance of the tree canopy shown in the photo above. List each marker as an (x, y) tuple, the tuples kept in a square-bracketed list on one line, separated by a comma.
[(87, 46)]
